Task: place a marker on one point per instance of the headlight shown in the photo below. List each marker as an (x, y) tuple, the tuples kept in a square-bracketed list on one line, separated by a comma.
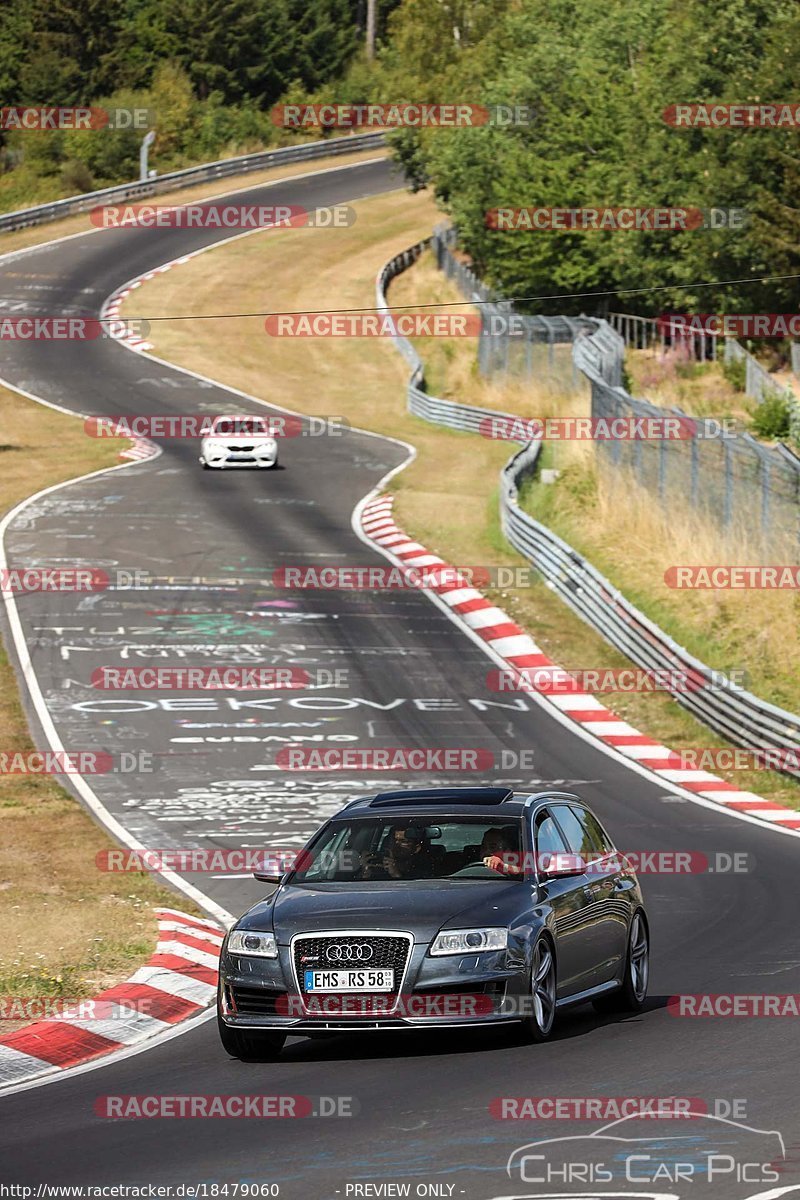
[(466, 941), (257, 945), (267, 444)]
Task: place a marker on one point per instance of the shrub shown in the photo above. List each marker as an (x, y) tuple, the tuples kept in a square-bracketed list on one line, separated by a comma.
[(771, 418), (735, 371), (76, 177)]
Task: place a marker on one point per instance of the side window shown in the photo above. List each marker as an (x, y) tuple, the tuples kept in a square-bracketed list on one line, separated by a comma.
[(547, 835), (577, 835), (600, 840)]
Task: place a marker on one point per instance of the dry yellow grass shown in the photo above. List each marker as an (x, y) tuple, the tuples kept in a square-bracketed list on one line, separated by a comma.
[(700, 389), (634, 541), (447, 497), (65, 928)]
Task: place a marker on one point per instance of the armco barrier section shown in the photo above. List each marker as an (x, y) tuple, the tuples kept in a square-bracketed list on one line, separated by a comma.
[(221, 169), (464, 417), (736, 714), (737, 483)]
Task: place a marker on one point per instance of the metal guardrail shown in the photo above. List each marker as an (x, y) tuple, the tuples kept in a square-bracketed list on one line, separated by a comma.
[(463, 417), (643, 333), (736, 714), (741, 717), (224, 167)]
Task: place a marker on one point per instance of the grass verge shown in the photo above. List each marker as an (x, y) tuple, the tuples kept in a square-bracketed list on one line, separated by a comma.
[(447, 497), (66, 929)]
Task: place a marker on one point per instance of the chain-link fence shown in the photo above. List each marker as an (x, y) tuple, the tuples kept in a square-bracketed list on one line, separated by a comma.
[(739, 715), (741, 486), (733, 481), (513, 343), (646, 333)]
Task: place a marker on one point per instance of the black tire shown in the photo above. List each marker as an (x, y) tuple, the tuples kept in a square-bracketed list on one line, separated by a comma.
[(250, 1047), (537, 1026), (631, 996), (206, 467)]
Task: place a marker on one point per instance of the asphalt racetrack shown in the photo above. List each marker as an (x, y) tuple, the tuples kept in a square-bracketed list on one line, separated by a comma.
[(420, 1102)]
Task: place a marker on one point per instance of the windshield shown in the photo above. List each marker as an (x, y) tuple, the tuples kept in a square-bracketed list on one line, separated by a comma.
[(364, 850), (239, 426)]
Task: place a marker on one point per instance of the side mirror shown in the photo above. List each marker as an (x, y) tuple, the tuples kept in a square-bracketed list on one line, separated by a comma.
[(262, 878), (561, 866)]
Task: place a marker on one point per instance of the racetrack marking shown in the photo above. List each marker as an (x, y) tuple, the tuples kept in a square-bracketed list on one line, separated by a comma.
[(517, 649), (10, 1059)]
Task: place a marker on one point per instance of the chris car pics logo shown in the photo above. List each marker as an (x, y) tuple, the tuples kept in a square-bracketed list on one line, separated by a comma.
[(674, 1159)]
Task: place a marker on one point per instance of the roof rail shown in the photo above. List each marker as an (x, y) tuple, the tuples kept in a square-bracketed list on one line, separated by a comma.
[(444, 795), (535, 797)]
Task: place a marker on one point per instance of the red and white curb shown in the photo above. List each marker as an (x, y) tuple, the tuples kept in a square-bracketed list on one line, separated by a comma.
[(118, 328), (178, 982), (518, 649), (140, 451)]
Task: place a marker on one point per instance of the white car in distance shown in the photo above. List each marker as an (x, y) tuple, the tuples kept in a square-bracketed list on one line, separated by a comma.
[(239, 441)]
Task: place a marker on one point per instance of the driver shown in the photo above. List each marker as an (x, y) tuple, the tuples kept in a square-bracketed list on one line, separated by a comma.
[(408, 856), (498, 852)]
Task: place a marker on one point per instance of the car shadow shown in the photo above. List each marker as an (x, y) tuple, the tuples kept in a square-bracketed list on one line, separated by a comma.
[(433, 1042)]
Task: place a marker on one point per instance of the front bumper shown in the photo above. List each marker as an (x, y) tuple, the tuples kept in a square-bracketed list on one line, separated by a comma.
[(239, 456), (441, 992)]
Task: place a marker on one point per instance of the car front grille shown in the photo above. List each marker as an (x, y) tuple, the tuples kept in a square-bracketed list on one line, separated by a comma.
[(382, 951)]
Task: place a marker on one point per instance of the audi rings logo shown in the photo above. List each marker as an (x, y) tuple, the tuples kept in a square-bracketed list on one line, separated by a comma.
[(341, 952)]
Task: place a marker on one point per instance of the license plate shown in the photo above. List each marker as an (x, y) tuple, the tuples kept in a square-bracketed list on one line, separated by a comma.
[(362, 980)]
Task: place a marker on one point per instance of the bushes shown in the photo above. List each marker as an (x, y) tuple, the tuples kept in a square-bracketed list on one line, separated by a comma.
[(772, 418), (37, 168), (735, 371)]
